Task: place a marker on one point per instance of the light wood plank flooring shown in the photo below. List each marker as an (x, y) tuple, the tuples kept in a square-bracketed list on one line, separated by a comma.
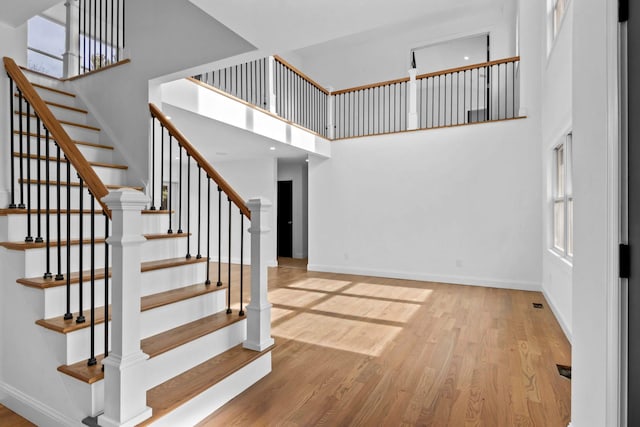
[(11, 419), (353, 350)]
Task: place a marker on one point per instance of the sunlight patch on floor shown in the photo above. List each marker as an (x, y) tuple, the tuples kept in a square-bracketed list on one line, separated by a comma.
[(390, 291), (294, 298), (370, 308), (279, 313), (341, 334), (317, 284)]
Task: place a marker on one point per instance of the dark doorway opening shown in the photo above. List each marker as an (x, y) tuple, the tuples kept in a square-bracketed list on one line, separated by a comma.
[(285, 219)]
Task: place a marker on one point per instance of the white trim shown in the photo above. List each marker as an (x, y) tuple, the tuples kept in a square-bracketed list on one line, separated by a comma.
[(558, 315), (454, 280), (34, 410)]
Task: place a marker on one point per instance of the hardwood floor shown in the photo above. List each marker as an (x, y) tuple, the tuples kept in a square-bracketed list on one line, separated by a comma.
[(11, 419), (354, 350)]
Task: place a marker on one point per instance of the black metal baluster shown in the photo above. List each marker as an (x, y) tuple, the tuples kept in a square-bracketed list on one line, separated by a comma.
[(20, 130), (208, 280), (106, 286), (241, 312), (170, 231), (219, 234), (99, 36), (59, 275), (29, 238), (12, 205), (95, 31), (180, 191), (153, 161), (38, 189), (68, 315), (80, 318), (162, 165), (229, 263), (47, 273), (188, 207), (113, 57), (499, 93), (199, 255), (92, 359), (118, 30)]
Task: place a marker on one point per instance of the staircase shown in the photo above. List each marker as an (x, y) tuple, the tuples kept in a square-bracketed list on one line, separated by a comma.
[(191, 334)]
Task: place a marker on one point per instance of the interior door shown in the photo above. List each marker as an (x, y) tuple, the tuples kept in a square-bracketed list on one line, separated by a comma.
[(285, 219)]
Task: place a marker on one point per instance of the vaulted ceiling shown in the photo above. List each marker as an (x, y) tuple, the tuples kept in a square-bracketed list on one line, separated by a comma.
[(16, 12)]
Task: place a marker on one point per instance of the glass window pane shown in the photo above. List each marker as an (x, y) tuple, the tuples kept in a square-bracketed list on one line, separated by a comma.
[(559, 172), (558, 225), (46, 35), (44, 64), (570, 227)]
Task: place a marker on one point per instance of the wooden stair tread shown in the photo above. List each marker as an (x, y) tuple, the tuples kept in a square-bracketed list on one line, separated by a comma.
[(76, 184), (41, 283), (23, 246), (39, 73), (88, 144), (176, 391), (61, 92), (166, 236), (64, 160), (173, 338), (157, 344), (66, 107), (64, 122), (149, 302)]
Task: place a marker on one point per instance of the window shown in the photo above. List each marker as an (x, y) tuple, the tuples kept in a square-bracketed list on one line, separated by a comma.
[(562, 199), (45, 46)]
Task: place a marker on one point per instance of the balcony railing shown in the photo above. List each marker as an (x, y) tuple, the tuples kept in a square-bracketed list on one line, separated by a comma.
[(483, 92)]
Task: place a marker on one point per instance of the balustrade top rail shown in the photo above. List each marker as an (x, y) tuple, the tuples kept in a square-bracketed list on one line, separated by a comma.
[(71, 152), (301, 74), (200, 160)]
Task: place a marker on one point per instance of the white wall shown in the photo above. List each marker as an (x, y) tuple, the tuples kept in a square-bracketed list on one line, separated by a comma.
[(162, 38), (595, 120), (385, 54), (297, 172), (457, 205), (556, 122), (13, 43)]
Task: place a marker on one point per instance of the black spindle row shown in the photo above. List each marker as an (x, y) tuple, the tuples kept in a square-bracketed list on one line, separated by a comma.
[(469, 95), (101, 38), (301, 101), (247, 81), (193, 201), (371, 110), (53, 198)]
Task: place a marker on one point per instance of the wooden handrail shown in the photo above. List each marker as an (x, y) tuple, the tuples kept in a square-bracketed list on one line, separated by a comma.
[(62, 138), (301, 74), (433, 74), (200, 160)]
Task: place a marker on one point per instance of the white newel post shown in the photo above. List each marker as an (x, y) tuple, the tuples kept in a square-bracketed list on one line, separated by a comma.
[(259, 310), (412, 118), (331, 107), (71, 55), (271, 94), (125, 395)]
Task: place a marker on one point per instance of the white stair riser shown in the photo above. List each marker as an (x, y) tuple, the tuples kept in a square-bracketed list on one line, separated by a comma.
[(155, 223), (75, 191), (90, 153), (82, 134), (89, 398), (55, 298), (58, 98), (77, 343), (155, 249), (180, 359), (17, 225), (60, 113), (107, 175), (204, 404), (166, 279), (35, 259), (173, 315)]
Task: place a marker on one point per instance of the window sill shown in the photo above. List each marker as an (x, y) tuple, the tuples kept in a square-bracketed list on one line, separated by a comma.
[(564, 259)]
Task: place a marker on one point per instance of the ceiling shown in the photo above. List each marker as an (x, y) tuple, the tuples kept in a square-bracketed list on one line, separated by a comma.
[(17, 12), (283, 25)]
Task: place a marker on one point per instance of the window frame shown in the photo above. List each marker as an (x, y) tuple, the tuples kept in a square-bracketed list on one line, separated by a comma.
[(554, 22), (562, 192)]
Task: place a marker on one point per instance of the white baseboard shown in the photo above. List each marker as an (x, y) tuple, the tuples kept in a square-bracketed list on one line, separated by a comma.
[(455, 280), (34, 410), (559, 317)]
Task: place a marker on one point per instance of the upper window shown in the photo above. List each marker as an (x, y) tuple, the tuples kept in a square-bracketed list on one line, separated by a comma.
[(562, 199), (556, 11), (45, 46)]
